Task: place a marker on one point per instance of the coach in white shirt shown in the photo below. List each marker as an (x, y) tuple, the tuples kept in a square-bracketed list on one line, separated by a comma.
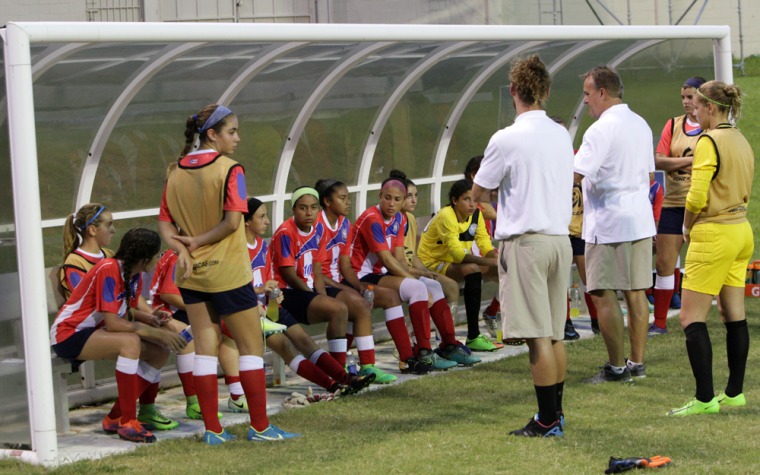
[(615, 163), (530, 162)]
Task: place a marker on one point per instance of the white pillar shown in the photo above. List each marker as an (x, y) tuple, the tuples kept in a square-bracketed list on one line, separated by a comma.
[(29, 249)]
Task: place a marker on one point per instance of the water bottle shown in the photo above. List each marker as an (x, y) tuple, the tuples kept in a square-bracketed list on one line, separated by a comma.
[(273, 309), (575, 301), (187, 334), (369, 295), (352, 368)]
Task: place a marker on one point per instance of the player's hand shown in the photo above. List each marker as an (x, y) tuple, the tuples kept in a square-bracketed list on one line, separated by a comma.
[(188, 241), (170, 339), (163, 316), (270, 285), (185, 263)]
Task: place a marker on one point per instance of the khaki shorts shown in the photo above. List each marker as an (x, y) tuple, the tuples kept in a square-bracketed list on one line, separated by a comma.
[(534, 272), (619, 266), (717, 256)]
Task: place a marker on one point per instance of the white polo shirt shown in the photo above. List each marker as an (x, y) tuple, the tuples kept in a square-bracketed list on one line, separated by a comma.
[(616, 158), (531, 163)]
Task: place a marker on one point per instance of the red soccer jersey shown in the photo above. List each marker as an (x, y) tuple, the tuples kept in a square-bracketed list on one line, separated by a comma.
[(101, 291), (371, 234), (333, 242), (261, 265), (163, 281), (293, 248)]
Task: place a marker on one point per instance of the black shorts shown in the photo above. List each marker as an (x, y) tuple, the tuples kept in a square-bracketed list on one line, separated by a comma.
[(223, 303), (181, 316), (333, 291), (297, 303), (372, 279), (72, 346), (578, 245), (285, 318), (671, 221)]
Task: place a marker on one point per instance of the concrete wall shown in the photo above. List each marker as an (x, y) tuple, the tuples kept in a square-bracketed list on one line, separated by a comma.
[(42, 10)]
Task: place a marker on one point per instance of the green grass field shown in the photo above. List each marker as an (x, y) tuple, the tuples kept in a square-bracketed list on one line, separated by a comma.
[(458, 422)]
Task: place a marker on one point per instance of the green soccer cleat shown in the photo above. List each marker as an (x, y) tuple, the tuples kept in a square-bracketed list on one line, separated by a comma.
[(269, 328), (436, 362), (695, 406), (480, 343), (152, 417), (193, 411), (237, 406), (381, 377), (735, 401), (459, 354)]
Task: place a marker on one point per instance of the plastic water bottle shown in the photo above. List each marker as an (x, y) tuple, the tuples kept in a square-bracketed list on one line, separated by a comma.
[(352, 368), (273, 309), (369, 294), (575, 301), (187, 334)]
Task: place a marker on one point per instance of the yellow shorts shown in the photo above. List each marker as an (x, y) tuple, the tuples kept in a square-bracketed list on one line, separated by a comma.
[(434, 265), (717, 256)]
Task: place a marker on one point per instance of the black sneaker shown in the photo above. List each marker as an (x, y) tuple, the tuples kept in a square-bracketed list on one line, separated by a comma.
[(536, 429), (595, 327), (414, 365), (638, 370), (355, 383), (606, 375), (570, 332)]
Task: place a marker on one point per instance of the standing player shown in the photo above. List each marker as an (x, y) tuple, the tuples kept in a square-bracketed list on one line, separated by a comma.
[(530, 162), (616, 163), (201, 218), (720, 245), (674, 154), (102, 319)]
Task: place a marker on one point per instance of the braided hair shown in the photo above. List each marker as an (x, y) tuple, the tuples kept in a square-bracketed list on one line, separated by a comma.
[(138, 244), (76, 225)]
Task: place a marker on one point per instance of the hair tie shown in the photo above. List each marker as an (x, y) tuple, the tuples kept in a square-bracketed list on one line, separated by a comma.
[(303, 191), (712, 100), (219, 113)]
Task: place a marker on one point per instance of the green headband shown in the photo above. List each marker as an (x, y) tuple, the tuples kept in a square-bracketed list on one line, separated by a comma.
[(712, 100), (303, 191)]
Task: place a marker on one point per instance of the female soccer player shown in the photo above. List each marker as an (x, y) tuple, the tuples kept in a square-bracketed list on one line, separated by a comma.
[(101, 320), (201, 218), (720, 245), (320, 367), (674, 154), (86, 235), (446, 247), (376, 247)]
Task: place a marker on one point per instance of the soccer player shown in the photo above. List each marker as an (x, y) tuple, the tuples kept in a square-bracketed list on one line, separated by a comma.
[(615, 164), (530, 162), (674, 154), (102, 319), (201, 218), (720, 245)]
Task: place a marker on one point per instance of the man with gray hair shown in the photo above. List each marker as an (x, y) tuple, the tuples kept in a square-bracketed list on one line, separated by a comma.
[(615, 164)]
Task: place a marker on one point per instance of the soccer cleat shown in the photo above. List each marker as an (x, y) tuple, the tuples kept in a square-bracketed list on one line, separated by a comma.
[(480, 343), (157, 421), (492, 324), (655, 330), (212, 438), (638, 370), (381, 377), (560, 418), (237, 405), (110, 426), (735, 401), (133, 431), (675, 301), (193, 411), (459, 354), (513, 341), (695, 406), (414, 365), (355, 383), (606, 374), (536, 429), (570, 332), (269, 328), (436, 362), (270, 434)]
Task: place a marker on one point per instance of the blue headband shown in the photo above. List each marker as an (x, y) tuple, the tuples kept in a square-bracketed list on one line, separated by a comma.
[(219, 113), (92, 220), (694, 82)]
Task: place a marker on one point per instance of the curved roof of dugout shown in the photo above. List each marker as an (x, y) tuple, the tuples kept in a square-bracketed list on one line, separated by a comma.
[(96, 111)]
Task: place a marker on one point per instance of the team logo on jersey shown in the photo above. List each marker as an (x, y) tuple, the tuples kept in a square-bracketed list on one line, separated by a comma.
[(344, 234), (473, 228), (395, 227)]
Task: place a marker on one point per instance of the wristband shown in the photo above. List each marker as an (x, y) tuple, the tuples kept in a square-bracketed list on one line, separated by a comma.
[(685, 230)]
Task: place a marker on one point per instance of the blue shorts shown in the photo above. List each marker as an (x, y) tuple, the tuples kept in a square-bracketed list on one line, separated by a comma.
[(223, 303), (671, 221), (297, 302), (372, 279), (285, 318), (578, 245), (181, 316), (72, 346)]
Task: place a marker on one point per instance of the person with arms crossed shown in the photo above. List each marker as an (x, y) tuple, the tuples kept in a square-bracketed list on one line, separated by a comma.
[(615, 164), (720, 245), (530, 162)]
